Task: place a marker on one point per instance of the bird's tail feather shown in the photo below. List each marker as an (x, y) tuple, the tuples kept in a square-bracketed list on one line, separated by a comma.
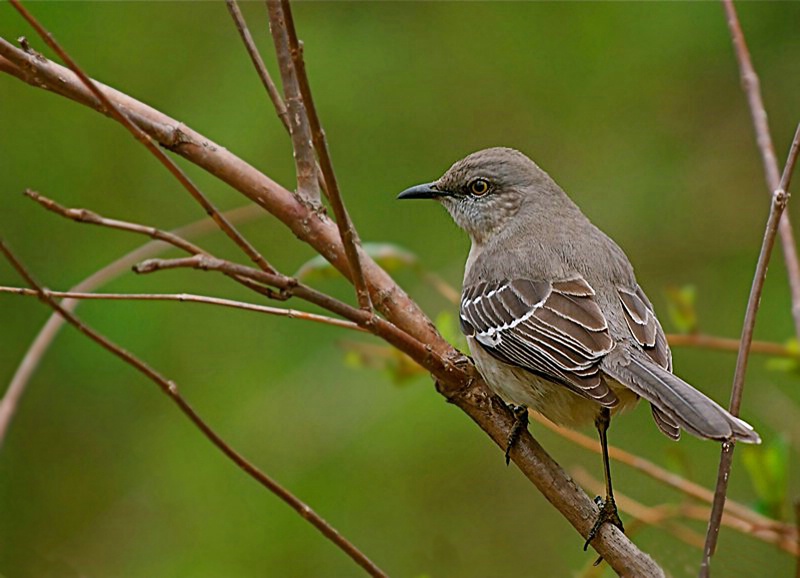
[(689, 408)]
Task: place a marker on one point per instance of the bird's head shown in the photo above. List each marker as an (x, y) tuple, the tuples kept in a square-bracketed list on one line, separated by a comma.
[(483, 191)]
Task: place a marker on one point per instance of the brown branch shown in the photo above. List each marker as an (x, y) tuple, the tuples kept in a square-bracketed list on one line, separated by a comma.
[(92, 218), (299, 128), (752, 89), (779, 199), (665, 477), (187, 298), (347, 231), (703, 341), (457, 379), (37, 349), (170, 388), (117, 113)]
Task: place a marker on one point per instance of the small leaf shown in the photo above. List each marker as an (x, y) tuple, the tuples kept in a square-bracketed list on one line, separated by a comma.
[(399, 366), (681, 308), (783, 364), (768, 469), (391, 257)]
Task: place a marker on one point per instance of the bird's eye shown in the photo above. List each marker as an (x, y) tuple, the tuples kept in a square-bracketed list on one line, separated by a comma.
[(479, 187)]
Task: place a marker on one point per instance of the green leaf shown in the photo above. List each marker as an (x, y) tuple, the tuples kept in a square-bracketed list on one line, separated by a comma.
[(391, 257), (681, 308), (768, 468), (784, 364)]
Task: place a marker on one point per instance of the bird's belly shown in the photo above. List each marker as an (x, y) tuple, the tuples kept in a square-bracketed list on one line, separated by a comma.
[(554, 401)]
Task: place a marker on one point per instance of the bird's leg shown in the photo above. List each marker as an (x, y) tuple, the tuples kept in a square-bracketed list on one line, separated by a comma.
[(608, 508), (520, 424)]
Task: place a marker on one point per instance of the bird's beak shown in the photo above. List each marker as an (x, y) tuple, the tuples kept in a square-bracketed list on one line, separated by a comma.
[(426, 191)]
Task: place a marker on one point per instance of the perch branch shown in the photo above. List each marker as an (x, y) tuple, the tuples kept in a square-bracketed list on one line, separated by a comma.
[(702, 341), (347, 230), (779, 199), (752, 88), (456, 377), (170, 388)]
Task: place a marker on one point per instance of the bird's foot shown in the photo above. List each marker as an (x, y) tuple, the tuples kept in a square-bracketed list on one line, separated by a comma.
[(608, 513), (520, 424)]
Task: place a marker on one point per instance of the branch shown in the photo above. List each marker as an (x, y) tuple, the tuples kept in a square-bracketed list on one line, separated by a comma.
[(187, 298), (298, 119), (456, 377), (258, 63), (37, 349), (702, 341), (752, 89), (116, 112), (779, 199), (347, 231), (170, 388)]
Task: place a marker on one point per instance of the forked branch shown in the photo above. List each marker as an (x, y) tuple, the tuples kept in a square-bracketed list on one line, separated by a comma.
[(779, 199)]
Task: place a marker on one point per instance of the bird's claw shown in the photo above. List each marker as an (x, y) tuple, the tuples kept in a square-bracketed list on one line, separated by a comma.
[(520, 424), (608, 513)]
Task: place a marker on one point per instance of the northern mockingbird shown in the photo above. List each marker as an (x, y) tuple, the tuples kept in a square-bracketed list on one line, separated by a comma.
[(552, 312)]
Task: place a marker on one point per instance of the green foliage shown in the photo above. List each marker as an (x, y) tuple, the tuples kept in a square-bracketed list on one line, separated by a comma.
[(392, 258), (681, 308), (785, 364), (768, 468)]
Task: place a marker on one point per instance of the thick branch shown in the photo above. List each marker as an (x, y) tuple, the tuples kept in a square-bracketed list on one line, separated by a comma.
[(298, 119), (457, 378)]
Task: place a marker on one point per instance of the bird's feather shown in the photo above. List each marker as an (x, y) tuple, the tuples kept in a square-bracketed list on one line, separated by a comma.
[(553, 329)]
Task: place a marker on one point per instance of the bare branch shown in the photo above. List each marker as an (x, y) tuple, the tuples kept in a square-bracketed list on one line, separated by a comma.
[(761, 527), (37, 349), (299, 128), (456, 377), (117, 113), (752, 89), (347, 231), (170, 388), (187, 298), (702, 341), (779, 199)]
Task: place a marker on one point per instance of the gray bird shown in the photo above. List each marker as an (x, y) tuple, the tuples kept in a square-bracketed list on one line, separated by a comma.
[(552, 312)]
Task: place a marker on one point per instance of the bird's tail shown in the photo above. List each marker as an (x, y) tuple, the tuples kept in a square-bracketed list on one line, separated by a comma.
[(681, 402)]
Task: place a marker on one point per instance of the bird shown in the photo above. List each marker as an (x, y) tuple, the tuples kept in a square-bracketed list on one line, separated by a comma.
[(554, 317)]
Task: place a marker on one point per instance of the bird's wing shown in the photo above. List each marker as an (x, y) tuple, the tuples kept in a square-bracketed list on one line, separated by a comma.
[(647, 332), (553, 329)]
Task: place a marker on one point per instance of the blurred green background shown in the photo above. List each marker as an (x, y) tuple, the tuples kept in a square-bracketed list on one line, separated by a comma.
[(635, 109)]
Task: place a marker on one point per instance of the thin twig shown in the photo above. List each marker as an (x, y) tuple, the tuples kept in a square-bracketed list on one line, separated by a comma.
[(92, 218), (298, 119), (779, 199), (347, 230), (258, 62), (170, 388), (263, 74), (752, 89), (702, 341), (663, 476), (48, 332), (143, 138), (188, 298)]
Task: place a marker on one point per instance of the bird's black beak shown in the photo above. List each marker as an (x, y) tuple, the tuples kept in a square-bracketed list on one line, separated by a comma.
[(426, 191)]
